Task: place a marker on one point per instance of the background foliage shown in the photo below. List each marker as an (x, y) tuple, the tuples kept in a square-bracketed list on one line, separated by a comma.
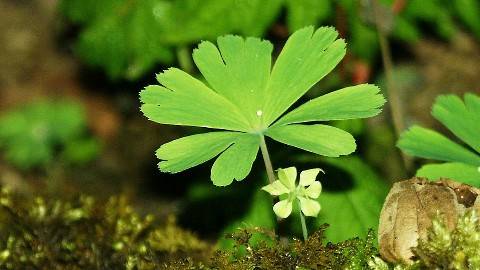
[(127, 38)]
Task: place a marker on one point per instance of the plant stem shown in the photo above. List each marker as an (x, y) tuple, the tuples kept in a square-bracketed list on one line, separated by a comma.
[(266, 160), (304, 226), (392, 90)]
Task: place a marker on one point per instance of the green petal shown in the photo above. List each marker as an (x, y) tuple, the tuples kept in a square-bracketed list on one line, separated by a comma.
[(287, 177), (239, 71), (185, 100), (305, 59), (283, 208), (359, 101), (426, 143), (276, 188), (457, 171), (190, 151), (314, 190), (462, 119), (319, 139), (307, 177), (310, 208), (236, 162)]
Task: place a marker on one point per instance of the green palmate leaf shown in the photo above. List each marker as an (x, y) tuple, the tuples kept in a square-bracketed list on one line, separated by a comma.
[(187, 152), (319, 139), (243, 95), (461, 118), (297, 67), (358, 101), (457, 171), (187, 101), (225, 70), (426, 143), (236, 162)]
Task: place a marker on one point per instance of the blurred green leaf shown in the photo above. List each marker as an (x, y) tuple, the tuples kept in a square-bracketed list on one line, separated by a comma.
[(351, 212), (31, 135), (81, 151), (127, 38), (301, 13), (469, 13)]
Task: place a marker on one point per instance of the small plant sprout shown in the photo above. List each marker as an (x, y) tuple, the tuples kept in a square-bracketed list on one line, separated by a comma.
[(247, 100), (305, 194)]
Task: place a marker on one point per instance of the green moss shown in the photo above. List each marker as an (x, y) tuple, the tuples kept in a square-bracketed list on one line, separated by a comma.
[(278, 253), (81, 233)]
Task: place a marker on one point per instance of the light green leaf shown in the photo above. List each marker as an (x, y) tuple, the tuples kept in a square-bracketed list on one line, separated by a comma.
[(186, 101), (236, 162), (457, 171), (298, 67), (462, 119), (314, 190), (283, 208), (359, 101), (245, 96), (426, 143), (239, 71), (308, 177), (287, 177), (472, 102), (187, 152), (319, 139), (276, 188), (310, 208)]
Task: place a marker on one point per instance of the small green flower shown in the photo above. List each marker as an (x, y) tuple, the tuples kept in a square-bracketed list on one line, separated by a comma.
[(306, 192)]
